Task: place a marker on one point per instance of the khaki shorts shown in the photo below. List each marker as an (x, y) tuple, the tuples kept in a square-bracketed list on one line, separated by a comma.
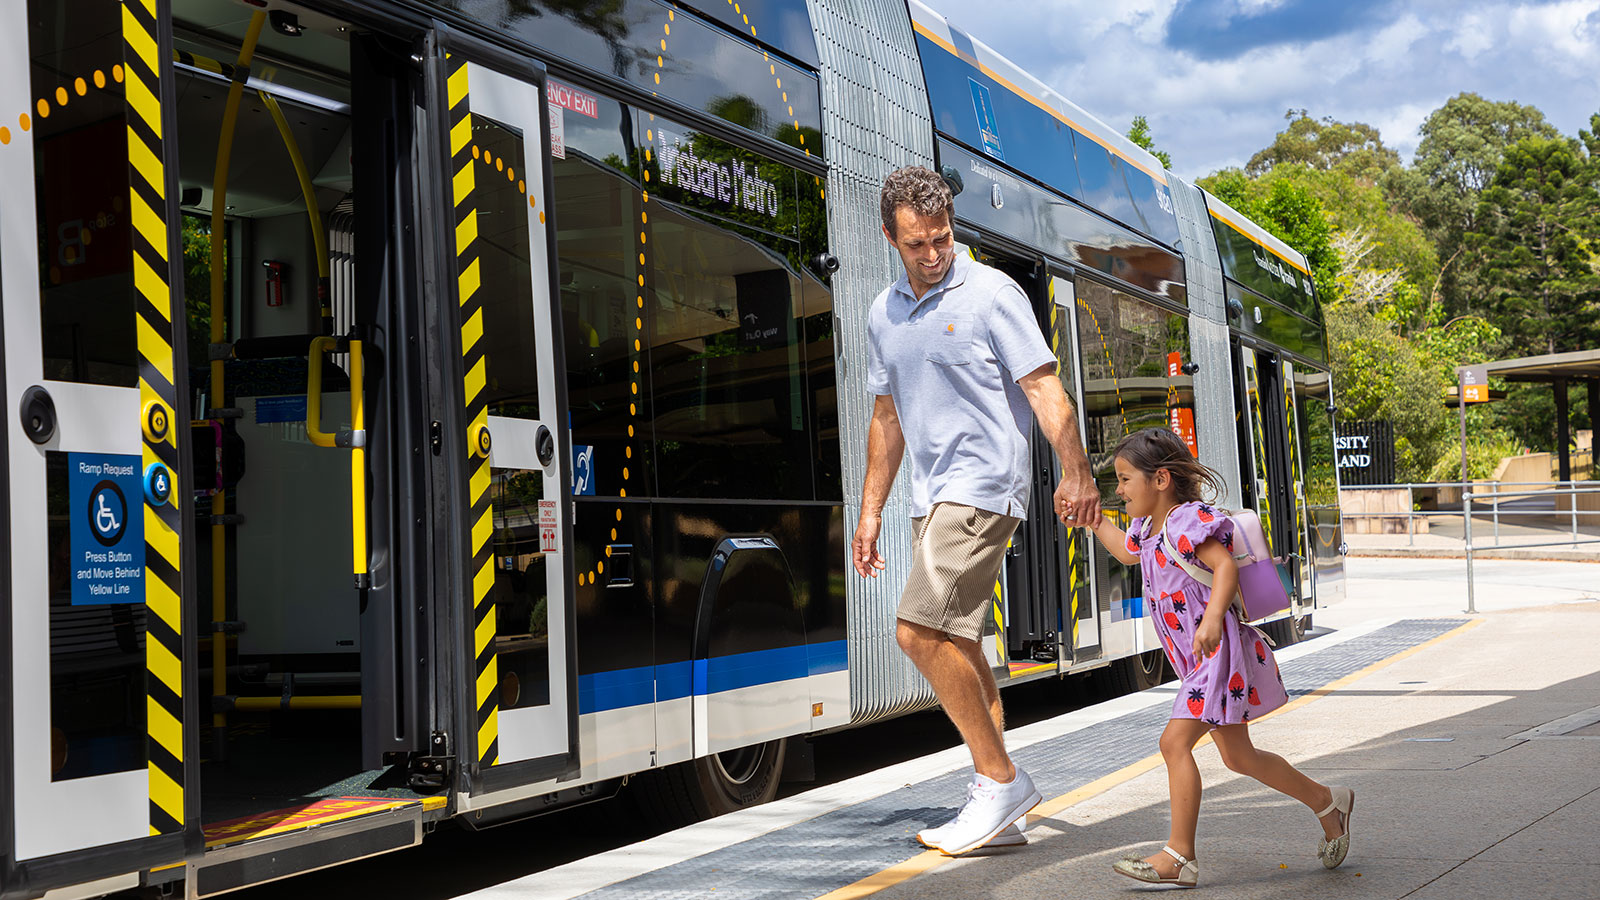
[(956, 558)]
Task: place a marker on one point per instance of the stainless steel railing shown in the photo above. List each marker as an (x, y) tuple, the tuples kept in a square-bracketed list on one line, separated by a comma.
[(1495, 495)]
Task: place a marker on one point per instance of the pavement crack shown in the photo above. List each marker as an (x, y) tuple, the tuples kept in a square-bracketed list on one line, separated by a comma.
[(1490, 756), (1499, 842)]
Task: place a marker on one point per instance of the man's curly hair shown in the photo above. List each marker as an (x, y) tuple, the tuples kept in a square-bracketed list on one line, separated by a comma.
[(919, 188)]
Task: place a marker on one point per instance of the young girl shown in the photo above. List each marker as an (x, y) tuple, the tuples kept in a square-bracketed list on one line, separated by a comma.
[(1226, 670)]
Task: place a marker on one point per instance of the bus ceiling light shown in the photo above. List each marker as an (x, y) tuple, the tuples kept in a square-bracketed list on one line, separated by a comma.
[(285, 23)]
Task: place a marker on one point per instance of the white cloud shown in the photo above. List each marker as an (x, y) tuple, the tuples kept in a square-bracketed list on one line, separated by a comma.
[(1115, 60)]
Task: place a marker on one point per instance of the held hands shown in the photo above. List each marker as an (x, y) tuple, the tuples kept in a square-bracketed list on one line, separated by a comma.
[(1207, 636), (1077, 498), (864, 553)]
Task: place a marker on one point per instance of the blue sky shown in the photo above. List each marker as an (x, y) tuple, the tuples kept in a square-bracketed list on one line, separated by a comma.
[(1214, 77)]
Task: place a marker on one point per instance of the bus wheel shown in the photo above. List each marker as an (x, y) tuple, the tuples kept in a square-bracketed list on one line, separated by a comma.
[(703, 788), (1132, 674), (1286, 631)]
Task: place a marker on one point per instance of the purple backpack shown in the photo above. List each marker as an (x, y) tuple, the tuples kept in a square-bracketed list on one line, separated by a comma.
[(1263, 587)]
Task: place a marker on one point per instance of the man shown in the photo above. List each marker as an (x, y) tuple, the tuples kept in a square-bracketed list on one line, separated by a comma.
[(957, 362)]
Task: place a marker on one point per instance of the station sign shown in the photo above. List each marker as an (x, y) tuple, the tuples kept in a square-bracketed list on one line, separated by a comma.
[(1475, 384), (106, 497)]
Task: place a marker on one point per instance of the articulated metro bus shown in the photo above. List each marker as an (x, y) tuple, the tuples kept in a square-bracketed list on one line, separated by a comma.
[(455, 409)]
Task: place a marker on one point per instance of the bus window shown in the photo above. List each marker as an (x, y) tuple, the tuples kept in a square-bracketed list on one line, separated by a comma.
[(599, 219), (80, 147), (728, 373), (1129, 382)]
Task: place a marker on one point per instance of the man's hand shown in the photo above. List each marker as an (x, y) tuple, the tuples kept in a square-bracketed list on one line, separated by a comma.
[(1077, 498), (864, 546)]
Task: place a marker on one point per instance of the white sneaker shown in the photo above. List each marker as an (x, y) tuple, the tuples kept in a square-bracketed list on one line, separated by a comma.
[(930, 837), (1009, 836), (992, 808)]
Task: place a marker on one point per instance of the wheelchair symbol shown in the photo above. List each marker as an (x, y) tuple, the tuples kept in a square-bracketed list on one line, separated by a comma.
[(108, 513), (104, 518)]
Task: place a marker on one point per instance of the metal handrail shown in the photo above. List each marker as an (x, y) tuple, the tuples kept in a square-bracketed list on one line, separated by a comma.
[(1466, 512), (1551, 491)]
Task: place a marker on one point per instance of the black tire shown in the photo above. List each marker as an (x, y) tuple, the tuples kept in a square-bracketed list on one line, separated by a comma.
[(1286, 631), (700, 789)]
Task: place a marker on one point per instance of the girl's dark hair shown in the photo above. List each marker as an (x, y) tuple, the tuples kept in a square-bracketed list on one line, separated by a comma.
[(1159, 448)]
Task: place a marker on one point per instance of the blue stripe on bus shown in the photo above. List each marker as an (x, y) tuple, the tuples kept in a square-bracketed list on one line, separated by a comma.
[(825, 658), (621, 688), (674, 681)]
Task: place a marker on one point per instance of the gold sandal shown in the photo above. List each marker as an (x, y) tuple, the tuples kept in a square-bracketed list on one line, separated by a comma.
[(1132, 866), (1332, 852)]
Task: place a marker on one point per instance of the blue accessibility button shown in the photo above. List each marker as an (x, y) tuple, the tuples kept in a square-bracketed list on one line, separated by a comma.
[(157, 484)]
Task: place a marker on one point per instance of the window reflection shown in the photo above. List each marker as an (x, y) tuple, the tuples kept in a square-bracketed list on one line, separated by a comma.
[(599, 218), (1132, 353), (80, 148), (509, 340), (729, 404), (521, 589)]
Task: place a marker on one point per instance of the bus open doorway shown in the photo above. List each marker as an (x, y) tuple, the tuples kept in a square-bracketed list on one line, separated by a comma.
[(287, 126)]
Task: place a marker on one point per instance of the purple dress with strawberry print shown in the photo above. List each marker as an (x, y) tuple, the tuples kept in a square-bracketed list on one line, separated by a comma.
[(1239, 681)]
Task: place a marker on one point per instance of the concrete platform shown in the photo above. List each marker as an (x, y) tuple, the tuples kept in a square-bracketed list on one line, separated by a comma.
[(1471, 743)]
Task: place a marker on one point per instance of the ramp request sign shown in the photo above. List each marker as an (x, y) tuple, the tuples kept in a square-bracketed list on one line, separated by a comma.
[(106, 498)]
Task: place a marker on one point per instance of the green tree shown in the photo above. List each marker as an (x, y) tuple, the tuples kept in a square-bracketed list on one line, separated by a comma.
[(1351, 147), (1139, 133), (1536, 240), (1463, 144), (1377, 374), (1384, 258), (197, 285)]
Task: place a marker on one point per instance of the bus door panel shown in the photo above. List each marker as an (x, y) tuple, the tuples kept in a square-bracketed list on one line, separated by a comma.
[(1324, 533), (1269, 474), (386, 314), (1081, 631), (1295, 483), (1027, 618), (97, 654), (519, 682)]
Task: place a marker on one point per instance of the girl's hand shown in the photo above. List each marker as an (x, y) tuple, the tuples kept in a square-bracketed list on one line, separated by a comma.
[(1207, 637)]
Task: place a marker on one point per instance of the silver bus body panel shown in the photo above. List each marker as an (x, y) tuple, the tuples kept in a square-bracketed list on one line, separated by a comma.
[(875, 120)]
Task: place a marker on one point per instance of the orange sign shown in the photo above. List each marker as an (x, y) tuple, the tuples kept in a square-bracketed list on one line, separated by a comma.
[(1475, 384)]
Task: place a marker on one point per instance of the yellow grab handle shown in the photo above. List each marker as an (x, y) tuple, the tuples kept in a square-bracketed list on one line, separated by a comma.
[(319, 346), (358, 464), (355, 439)]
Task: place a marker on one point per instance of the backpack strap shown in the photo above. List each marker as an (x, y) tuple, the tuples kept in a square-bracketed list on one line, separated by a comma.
[(1201, 575)]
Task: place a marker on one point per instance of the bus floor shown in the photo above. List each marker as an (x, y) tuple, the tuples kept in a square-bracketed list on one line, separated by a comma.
[(278, 761)]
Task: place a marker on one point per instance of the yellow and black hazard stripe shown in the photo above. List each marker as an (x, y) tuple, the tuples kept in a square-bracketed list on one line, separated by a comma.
[(1062, 347), (475, 364), (163, 559)]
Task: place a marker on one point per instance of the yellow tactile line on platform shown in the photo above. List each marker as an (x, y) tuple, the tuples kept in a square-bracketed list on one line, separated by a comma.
[(932, 859)]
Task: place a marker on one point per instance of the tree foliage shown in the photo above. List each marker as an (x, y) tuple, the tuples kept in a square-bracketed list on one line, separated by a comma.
[(1377, 374), (1354, 148), (1463, 144), (1139, 133), (1537, 226)]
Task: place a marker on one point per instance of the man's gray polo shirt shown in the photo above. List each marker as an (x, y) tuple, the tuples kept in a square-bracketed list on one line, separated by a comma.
[(951, 361)]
